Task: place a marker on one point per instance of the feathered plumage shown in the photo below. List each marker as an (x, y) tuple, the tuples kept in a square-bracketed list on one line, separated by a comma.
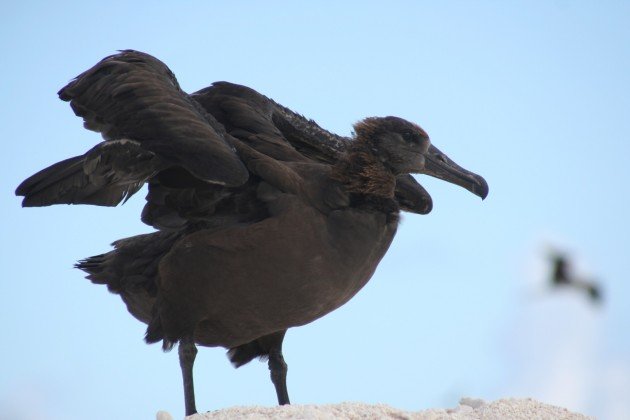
[(265, 221)]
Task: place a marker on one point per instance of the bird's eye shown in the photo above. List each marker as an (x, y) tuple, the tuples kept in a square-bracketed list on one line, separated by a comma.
[(408, 136)]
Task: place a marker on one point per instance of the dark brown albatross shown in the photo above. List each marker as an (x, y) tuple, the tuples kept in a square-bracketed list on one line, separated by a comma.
[(265, 220)]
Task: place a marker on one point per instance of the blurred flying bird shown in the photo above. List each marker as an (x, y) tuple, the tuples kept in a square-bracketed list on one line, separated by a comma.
[(561, 276)]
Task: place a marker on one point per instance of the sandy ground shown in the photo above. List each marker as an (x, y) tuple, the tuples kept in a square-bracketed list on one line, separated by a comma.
[(468, 409)]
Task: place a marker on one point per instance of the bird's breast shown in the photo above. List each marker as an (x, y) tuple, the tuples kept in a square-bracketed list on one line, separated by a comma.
[(282, 272)]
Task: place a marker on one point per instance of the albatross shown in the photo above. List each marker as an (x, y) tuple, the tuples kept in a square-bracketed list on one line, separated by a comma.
[(264, 220)]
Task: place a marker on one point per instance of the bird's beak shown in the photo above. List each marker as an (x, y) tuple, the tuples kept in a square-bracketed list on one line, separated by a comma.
[(440, 166)]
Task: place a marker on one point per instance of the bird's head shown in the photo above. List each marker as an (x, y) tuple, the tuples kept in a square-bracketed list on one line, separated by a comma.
[(403, 147)]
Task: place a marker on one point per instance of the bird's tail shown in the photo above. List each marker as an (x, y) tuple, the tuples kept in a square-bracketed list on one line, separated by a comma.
[(131, 270)]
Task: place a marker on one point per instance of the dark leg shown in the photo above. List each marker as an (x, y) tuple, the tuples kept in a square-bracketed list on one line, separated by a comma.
[(278, 368), (187, 352)]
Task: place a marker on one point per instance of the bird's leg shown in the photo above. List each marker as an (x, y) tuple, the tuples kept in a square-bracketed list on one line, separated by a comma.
[(187, 352), (278, 369)]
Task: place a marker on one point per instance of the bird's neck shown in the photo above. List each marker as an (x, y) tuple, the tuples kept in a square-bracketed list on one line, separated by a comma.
[(363, 173)]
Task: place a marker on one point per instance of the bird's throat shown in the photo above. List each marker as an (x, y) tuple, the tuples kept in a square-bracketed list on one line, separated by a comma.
[(363, 173)]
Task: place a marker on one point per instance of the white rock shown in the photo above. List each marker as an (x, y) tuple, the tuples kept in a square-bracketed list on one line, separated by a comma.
[(468, 409)]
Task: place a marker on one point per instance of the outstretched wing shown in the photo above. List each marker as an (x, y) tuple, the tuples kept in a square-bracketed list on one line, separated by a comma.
[(248, 116), (278, 132), (132, 95), (149, 125), (104, 176)]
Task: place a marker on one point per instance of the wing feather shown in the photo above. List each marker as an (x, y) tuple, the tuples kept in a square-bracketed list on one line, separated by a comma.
[(135, 96)]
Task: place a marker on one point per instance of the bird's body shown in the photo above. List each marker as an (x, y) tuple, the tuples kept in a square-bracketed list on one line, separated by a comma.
[(265, 220), (294, 282)]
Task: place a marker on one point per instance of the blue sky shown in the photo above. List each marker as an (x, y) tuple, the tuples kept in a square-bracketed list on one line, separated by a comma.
[(534, 96)]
